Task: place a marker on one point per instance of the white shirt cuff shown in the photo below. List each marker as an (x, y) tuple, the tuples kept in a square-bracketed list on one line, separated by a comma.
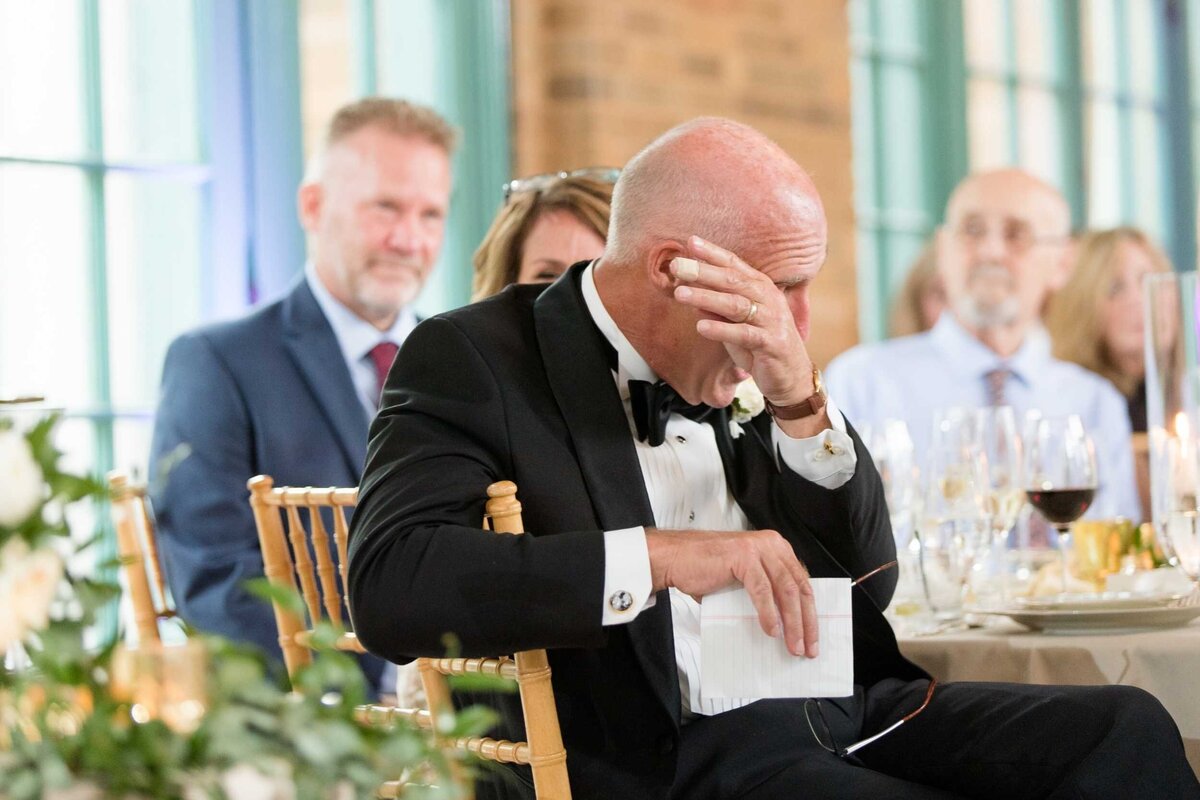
[(827, 459), (627, 584)]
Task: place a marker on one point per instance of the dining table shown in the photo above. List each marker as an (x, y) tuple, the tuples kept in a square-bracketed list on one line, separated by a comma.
[(1164, 662)]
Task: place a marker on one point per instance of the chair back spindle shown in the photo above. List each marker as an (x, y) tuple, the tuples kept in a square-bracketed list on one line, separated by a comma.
[(286, 559), (137, 548)]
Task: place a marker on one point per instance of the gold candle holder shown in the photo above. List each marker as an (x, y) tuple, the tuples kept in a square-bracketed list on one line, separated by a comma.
[(161, 682)]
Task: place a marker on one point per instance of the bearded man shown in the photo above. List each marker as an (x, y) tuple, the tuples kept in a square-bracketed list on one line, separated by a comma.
[(1004, 247)]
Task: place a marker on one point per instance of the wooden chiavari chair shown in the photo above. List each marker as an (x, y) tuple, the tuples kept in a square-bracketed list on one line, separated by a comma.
[(294, 554), (138, 550)]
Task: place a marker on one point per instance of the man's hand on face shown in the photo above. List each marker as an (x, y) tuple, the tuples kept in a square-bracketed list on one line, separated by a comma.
[(700, 562), (754, 322)]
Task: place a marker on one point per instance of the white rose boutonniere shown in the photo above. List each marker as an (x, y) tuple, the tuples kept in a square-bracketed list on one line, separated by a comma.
[(21, 484), (748, 403)]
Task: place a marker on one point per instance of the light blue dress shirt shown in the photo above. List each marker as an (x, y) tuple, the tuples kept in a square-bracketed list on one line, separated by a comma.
[(356, 338), (910, 378)]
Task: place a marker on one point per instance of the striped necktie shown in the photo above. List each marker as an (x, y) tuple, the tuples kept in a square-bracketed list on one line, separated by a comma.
[(995, 380)]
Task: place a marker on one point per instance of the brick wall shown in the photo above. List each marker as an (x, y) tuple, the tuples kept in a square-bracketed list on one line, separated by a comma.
[(593, 82)]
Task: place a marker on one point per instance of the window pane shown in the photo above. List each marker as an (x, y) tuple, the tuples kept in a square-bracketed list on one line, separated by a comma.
[(864, 134), (899, 26), (903, 249), (903, 149), (155, 253), (985, 25), (988, 124), (1040, 128), (1032, 21), (1099, 45), (44, 284), (148, 69), (860, 19), (1144, 48), (41, 92), (1147, 172), (871, 324), (131, 444), (1104, 165)]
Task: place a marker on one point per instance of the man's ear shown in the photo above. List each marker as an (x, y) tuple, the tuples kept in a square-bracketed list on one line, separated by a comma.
[(658, 264), (309, 198)]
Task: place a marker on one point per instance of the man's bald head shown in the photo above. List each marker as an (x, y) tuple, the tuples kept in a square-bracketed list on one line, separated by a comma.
[(1013, 187), (1002, 249), (710, 177)]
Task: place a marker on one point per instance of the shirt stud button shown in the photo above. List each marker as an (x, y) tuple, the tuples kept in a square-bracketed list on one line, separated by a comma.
[(691, 516), (681, 439)]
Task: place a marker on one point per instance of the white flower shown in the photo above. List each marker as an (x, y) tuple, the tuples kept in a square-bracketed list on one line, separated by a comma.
[(272, 782), (28, 583), (21, 484), (34, 586), (735, 430), (748, 402)]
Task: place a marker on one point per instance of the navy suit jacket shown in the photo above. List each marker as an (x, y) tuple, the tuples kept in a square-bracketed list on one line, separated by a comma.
[(269, 393)]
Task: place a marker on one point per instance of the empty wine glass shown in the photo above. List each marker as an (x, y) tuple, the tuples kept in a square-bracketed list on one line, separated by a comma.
[(954, 520), (892, 450), (995, 435), (1060, 476)]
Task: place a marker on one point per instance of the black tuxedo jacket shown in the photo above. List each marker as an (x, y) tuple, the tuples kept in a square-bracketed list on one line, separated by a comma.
[(518, 387)]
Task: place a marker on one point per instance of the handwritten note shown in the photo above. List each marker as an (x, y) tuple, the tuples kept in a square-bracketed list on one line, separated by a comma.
[(738, 660)]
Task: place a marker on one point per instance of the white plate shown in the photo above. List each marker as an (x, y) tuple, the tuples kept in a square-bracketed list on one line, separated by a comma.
[(1099, 601), (1105, 620)]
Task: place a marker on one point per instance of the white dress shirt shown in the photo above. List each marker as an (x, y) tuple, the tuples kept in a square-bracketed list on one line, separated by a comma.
[(912, 377), (685, 482), (356, 337)]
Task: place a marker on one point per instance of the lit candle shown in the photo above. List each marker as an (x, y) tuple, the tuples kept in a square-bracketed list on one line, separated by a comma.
[(1184, 470)]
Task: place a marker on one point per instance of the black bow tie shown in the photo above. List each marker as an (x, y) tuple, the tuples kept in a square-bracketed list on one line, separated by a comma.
[(654, 403)]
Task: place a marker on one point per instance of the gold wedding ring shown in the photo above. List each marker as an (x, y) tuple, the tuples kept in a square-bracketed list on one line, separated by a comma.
[(750, 314)]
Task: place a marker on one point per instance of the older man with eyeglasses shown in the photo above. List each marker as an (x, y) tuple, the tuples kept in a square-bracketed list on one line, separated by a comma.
[(1003, 249)]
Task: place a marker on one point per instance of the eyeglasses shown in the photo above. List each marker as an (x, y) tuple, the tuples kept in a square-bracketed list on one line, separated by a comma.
[(537, 183), (825, 737), (830, 744), (1017, 235)]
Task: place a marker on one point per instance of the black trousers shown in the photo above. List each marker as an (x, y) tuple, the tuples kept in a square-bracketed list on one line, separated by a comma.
[(977, 740)]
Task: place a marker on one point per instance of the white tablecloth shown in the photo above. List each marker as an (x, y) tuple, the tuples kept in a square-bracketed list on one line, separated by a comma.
[(1165, 663)]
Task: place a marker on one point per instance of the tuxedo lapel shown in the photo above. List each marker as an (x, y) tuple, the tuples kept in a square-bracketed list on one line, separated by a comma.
[(577, 366), (311, 343)]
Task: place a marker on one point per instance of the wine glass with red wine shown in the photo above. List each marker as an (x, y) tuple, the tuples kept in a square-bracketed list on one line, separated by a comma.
[(1060, 476)]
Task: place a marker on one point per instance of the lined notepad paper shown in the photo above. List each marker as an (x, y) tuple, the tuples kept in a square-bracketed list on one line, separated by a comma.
[(738, 660)]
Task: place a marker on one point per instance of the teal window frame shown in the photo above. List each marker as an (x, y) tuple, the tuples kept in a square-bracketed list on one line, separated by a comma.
[(462, 70), (940, 66)]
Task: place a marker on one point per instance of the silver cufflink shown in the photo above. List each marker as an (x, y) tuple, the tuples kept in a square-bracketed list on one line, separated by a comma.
[(620, 600)]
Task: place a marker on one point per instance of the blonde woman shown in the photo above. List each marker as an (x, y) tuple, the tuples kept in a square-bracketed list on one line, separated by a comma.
[(546, 224), (1097, 320)]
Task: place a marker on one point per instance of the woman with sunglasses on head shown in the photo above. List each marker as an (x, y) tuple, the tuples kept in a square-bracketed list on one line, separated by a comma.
[(546, 224)]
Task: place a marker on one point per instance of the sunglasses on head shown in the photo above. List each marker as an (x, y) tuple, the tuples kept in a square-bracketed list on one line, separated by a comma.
[(537, 183)]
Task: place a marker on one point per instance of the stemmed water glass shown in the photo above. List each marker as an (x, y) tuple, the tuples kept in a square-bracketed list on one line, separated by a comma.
[(995, 435), (1060, 476), (954, 520), (892, 451)]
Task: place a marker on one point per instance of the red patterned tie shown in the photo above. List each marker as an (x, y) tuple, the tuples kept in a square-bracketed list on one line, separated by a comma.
[(382, 355)]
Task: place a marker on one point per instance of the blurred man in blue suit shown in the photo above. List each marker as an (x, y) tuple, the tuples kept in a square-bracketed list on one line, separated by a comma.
[(290, 389)]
